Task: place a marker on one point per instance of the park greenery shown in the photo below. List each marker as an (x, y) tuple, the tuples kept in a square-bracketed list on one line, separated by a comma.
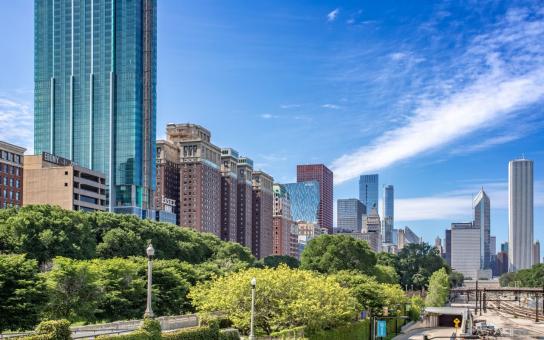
[(533, 277), (439, 289), (91, 267)]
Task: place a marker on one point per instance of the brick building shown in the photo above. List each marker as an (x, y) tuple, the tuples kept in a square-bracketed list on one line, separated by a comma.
[(229, 194), (261, 237), (168, 171), (321, 174), (244, 209), (11, 175), (282, 221)]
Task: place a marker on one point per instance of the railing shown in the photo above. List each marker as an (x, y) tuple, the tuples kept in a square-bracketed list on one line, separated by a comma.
[(168, 323)]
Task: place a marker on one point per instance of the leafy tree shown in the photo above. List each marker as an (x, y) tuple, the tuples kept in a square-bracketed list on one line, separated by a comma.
[(333, 253), (43, 232), (387, 259), (533, 277), (21, 292), (456, 279), (372, 295), (386, 274), (275, 261), (285, 298), (72, 289), (439, 288), (416, 263)]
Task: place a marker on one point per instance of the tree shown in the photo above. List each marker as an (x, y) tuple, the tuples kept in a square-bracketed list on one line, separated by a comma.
[(416, 263), (386, 274), (21, 292), (371, 295), (533, 277), (285, 298), (439, 289), (456, 279), (332, 253), (387, 259), (275, 261)]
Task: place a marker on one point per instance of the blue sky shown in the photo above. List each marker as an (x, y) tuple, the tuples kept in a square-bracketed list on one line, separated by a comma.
[(435, 97)]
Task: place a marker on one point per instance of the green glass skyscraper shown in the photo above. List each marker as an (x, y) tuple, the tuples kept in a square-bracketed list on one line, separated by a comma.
[(95, 92)]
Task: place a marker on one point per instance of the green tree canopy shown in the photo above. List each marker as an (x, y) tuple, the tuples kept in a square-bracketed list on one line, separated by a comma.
[(21, 292), (274, 261), (416, 263), (285, 298), (439, 289), (333, 253), (386, 274), (533, 277)]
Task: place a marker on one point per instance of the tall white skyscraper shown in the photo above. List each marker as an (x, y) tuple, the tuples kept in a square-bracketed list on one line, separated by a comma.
[(482, 221), (520, 214)]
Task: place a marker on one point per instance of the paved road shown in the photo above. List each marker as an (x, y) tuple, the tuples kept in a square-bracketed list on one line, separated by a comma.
[(513, 328)]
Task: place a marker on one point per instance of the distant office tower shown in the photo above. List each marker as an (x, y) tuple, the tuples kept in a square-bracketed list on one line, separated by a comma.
[(244, 209), (388, 213), (502, 263), (401, 240), (282, 221), (167, 193), (369, 191), (520, 214), (482, 221), (321, 174), (448, 247), (465, 249), (229, 194), (304, 201), (293, 241), (95, 92), (200, 177), (11, 175), (372, 230), (350, 213), (493, 245), (50, 179), (504, 247), (263, 198), (536, 253), (395, 236), (438, 245), (411, 237)]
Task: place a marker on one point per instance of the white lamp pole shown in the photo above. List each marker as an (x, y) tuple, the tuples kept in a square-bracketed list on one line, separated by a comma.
[(150, 252), (252, 325)]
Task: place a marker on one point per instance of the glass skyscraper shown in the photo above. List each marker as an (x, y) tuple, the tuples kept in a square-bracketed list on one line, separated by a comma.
[(95, 92), (482, 220), (350, 213), (369, 191), (304, 201), (388, 213)]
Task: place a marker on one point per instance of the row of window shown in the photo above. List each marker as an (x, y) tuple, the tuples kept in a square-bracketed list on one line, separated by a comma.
[(10, 182), (10, 169), (11, 195), (10, 205), (11, 157)]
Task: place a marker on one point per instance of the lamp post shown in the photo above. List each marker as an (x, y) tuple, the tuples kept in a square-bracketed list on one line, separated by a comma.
[(252, 324), (150, 252)]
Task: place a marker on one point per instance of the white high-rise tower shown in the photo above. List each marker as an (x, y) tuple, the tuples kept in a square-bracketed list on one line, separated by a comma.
[(520, 214)]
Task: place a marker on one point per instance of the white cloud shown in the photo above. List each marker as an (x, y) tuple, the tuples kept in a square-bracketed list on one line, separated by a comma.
[(333, 14), (456, 206), (330, 106), (16, 122), (289, 106), (268, 116), (501, 73)]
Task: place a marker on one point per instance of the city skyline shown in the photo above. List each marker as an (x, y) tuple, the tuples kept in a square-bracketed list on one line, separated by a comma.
[(433, 186)]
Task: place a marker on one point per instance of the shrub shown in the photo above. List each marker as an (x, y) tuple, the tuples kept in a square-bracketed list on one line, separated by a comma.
[(210, 332), (291, 333), (229, 334), (356, 331), (52, 330)]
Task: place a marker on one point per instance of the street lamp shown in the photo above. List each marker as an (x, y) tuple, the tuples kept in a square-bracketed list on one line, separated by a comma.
[(150, 252), (252, 325)]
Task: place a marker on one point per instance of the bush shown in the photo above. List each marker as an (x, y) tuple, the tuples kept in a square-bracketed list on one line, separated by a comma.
[(52, 330), (356, 331), (229, 334), (210, 332), (136, 335), (291, 333)]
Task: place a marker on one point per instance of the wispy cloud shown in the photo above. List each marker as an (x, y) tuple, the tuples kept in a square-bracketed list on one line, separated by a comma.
[(330, 106), (16, 122), (289, 106), (333, 14), (268, 116), (456, 206), (500, 73)]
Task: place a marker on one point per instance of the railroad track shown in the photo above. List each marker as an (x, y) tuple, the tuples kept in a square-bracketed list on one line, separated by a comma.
[(515, 310)]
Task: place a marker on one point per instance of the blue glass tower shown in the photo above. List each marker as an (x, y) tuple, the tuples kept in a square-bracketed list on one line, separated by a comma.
[(95, 92), (304, 200), (369, 191), (388, 213)]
